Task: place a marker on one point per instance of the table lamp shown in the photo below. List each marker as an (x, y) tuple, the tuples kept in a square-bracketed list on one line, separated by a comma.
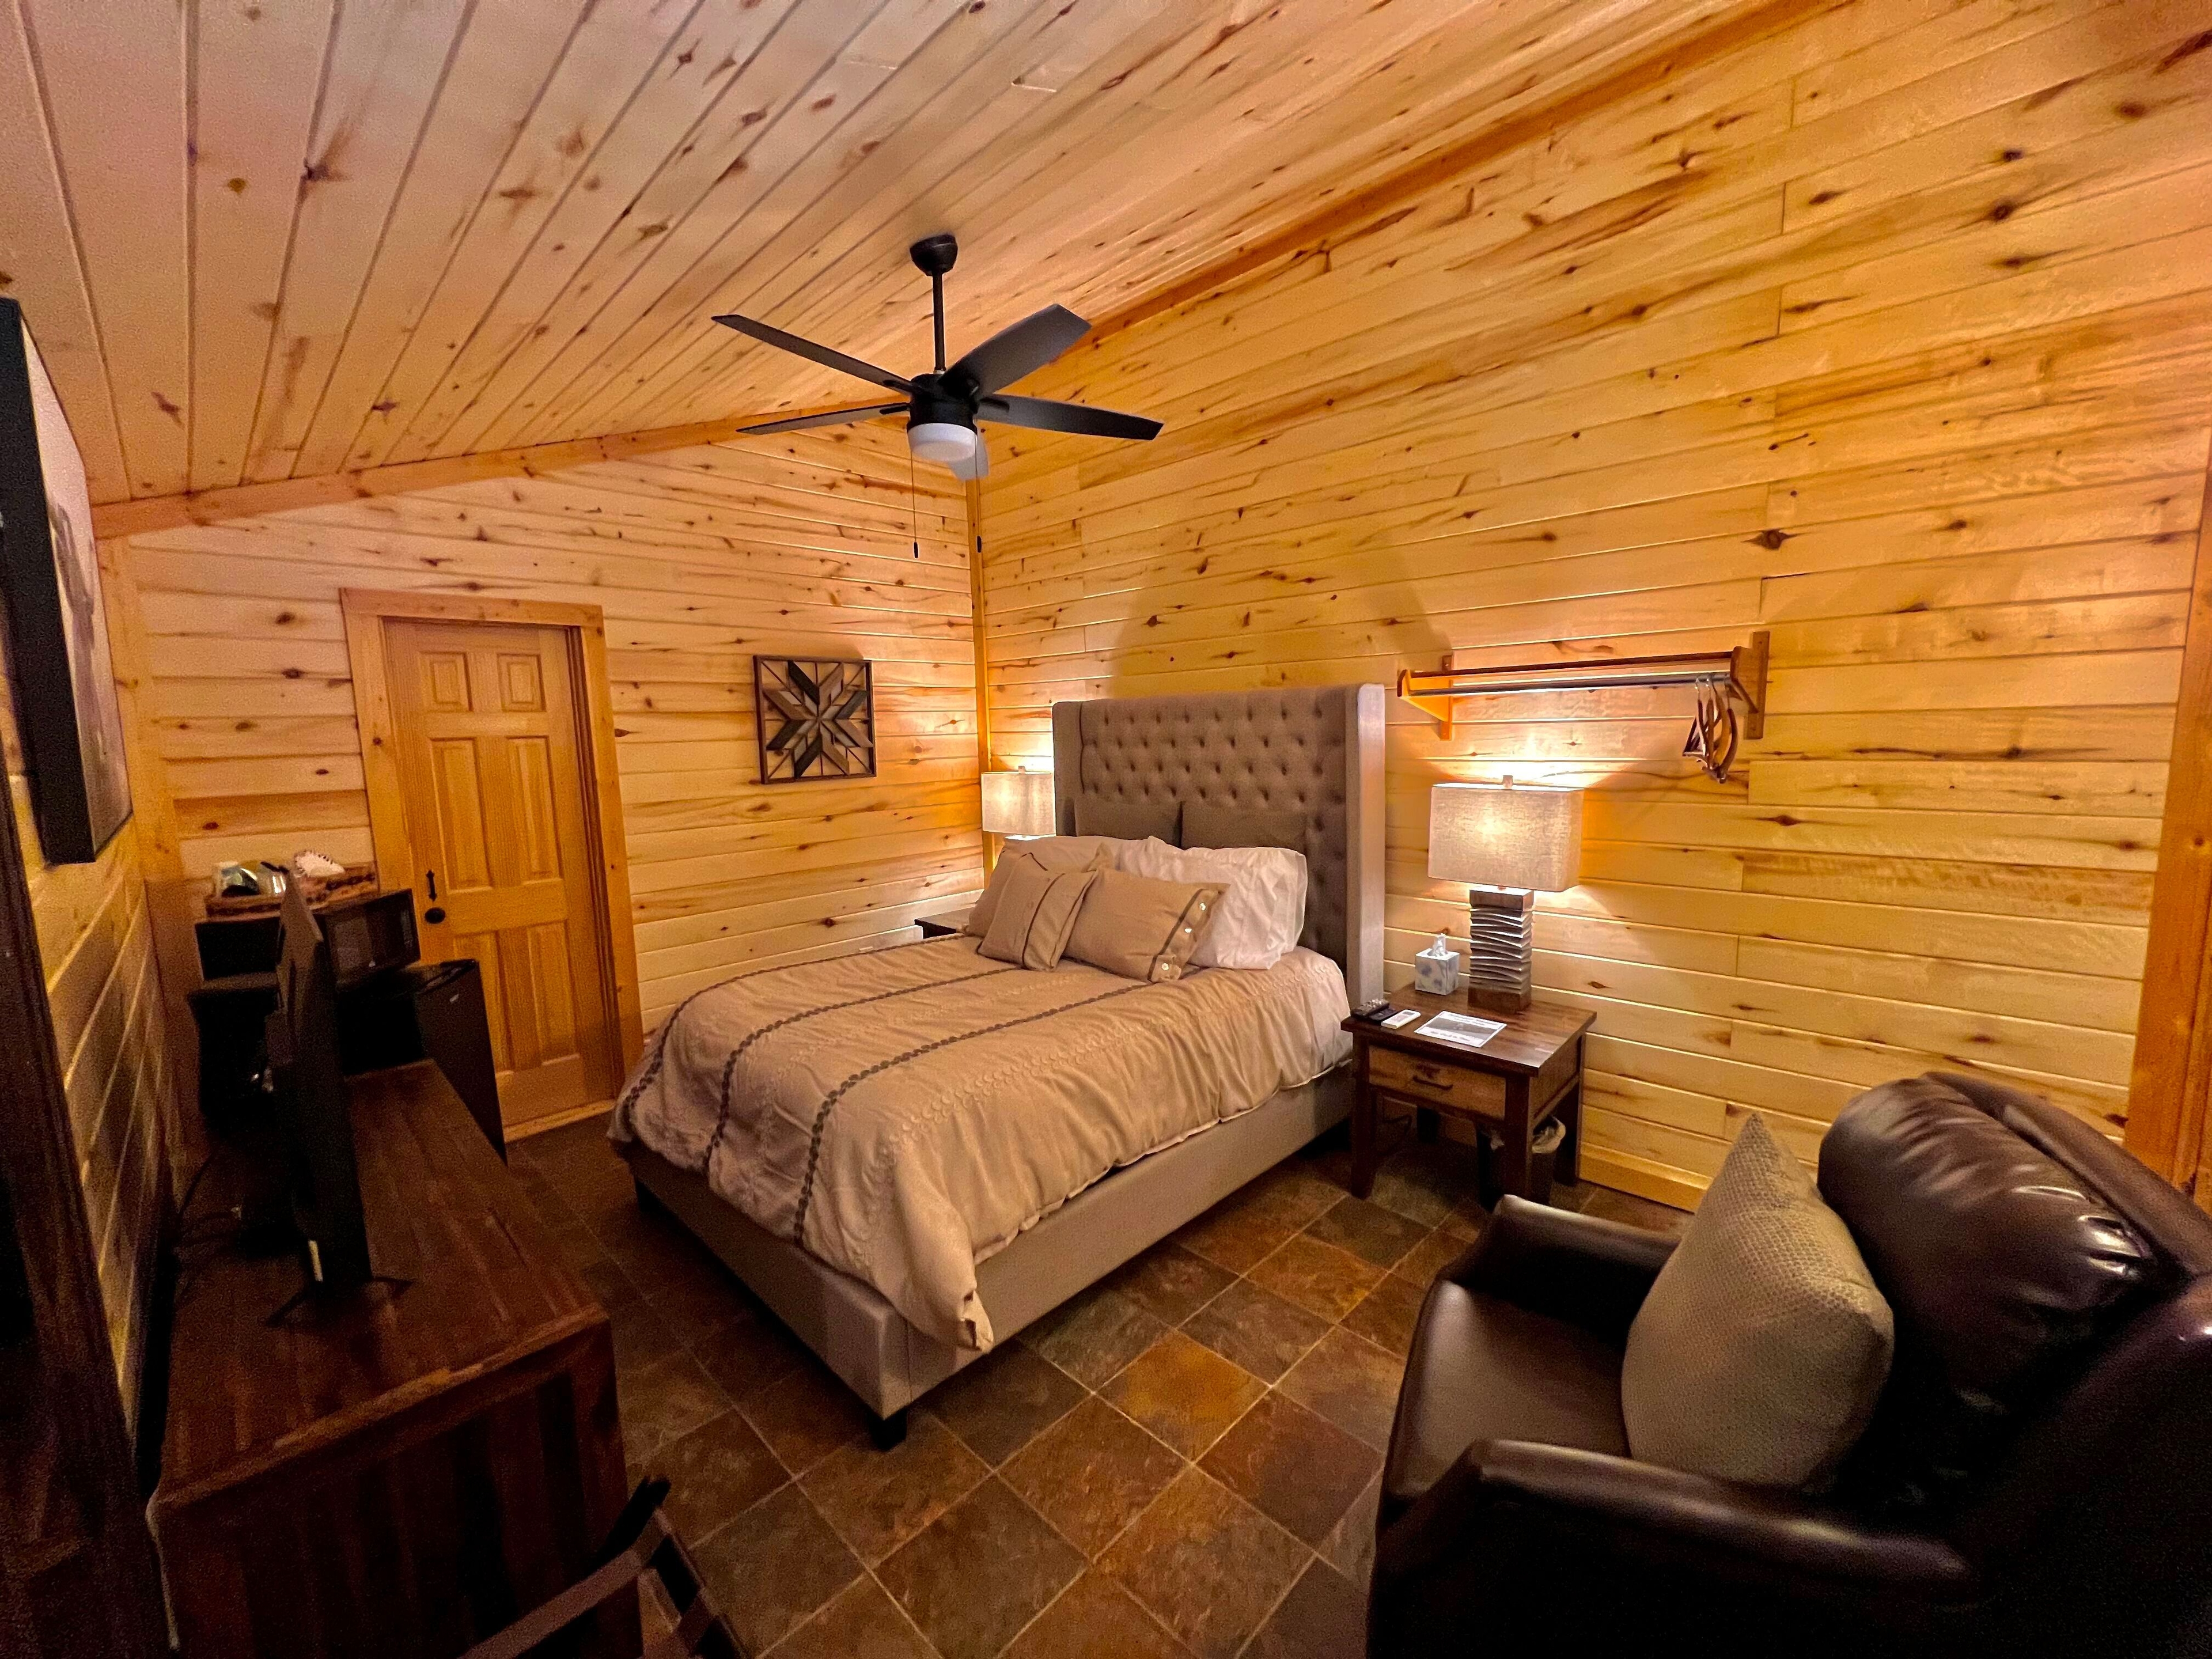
[(1510, 842), (1017, 803)]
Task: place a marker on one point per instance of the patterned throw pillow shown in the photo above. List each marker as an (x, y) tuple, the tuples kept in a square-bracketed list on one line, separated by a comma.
[(1764, 1344)]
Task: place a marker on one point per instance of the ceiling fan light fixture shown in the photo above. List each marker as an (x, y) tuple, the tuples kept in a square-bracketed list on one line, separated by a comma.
[(942, 441)]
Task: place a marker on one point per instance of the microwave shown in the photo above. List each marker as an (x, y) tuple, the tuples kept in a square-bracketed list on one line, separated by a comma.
[(367, 937)]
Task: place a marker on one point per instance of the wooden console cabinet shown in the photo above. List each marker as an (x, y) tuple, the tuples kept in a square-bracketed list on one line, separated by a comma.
[(405, 1472)]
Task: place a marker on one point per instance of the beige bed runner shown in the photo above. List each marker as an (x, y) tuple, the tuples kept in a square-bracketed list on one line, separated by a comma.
[(905, 1114)]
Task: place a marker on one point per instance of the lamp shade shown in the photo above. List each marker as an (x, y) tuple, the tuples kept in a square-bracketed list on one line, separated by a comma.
[(1017, 803), (1506, 834)]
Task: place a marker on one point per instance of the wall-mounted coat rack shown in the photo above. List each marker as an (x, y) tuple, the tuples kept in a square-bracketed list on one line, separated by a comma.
[(1721, 679)]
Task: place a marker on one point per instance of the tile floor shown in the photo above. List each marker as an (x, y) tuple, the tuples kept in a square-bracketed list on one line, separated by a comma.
[(1182, 1462)]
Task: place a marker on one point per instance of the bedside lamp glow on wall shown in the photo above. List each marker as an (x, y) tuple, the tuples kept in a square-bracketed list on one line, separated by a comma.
[(1510, 842), (1017, 803)]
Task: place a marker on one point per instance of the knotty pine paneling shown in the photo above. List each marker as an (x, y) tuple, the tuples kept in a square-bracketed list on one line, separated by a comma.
[(1890, 333), (805, 545), (96, 946)]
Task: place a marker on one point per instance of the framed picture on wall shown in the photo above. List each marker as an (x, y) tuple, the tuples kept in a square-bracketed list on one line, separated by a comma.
[(64, 687), (817, 719)]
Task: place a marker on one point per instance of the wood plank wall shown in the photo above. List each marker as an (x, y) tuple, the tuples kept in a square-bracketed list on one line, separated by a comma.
[(1890, 333), (803, 545), (95, 944)]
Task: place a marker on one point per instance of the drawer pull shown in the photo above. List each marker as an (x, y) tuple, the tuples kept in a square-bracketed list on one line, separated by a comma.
[(1429, 1080)]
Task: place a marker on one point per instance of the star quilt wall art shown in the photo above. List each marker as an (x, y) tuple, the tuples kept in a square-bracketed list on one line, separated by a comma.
[(817, 719)]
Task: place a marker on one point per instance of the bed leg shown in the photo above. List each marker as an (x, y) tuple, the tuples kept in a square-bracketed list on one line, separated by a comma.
[(888, 1431)]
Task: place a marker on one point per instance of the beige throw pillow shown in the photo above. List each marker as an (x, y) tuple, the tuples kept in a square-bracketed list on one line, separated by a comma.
[(1140, 928), (1036, 909), (1051, 853), (1764, 1344)]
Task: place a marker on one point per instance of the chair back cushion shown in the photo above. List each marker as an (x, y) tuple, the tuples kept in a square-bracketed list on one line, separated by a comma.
[(1763, 1346), (2002, 1264)]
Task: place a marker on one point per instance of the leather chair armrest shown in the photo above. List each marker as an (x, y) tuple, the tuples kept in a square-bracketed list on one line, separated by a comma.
[(1593, 1273), (1662, 1516)]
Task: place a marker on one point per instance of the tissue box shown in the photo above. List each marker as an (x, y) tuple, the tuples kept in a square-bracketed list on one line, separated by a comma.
[(1435, 971)]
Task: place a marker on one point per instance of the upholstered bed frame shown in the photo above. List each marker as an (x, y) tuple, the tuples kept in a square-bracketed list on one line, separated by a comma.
[(1316, 749)]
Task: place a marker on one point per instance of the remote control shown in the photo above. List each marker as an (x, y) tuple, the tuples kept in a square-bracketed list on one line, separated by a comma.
[(1374, 1009)]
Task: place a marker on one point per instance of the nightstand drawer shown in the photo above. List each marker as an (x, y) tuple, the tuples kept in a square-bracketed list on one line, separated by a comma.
[(1428, 1079)]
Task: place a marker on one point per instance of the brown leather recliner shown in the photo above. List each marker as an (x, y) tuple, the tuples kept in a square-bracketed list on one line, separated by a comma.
[(2037, 1478)]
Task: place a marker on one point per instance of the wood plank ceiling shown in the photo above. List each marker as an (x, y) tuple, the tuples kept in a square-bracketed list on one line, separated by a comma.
[(262, 239)]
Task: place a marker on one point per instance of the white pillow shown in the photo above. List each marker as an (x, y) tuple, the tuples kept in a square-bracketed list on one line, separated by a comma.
[(1263, 899)]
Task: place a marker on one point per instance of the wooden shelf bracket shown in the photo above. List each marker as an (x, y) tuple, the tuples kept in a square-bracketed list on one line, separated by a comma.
[(1727, 679)]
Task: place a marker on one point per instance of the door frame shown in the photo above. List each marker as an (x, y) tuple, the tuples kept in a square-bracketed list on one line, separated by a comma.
[(367, 610)]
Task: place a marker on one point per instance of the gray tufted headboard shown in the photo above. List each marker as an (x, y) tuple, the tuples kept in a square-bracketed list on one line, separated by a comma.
[(1318, 749)]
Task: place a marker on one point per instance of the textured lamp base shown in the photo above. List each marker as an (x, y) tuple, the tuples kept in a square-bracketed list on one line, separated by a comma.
[(1498, 933)]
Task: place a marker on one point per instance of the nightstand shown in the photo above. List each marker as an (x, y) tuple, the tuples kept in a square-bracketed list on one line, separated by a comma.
[(1528, 1074), (942, 925)]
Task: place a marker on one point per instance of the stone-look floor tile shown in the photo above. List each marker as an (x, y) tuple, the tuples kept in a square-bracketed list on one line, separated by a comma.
[(1234, 1234), (1298, 1469), (980, 1572), (714, 1471), (1351, 1381), (1350, 1547), (663, 1400), (1169, 1283), (1004, 1401), (643, 1337), (1371, 1232), (1295, 1192), (861, 1623), (773, 1566), (1432, 1256), (1323, 1617), (699, 1300), (1324, 1280), (877, 1500), (1183, 1393), (1609, 1205), (1093, 1336), (1091, 1474), (806, 1416), (1255, 1328), (749, 1355), (1095, 1618), (1418, 1186), (611, 1286), (1386, 1315), (1210, 1566)]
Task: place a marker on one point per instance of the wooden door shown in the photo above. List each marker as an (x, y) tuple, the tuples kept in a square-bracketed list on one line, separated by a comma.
[(489, 734)]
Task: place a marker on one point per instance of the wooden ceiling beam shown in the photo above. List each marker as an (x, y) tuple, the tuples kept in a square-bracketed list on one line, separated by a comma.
[(139, 518)]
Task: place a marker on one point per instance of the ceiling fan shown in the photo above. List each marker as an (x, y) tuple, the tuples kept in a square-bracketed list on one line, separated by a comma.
[(943, 405)]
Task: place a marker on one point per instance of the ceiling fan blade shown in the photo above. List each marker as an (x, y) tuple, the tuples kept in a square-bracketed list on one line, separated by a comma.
[(821, 354), (1047, 416), (1013, 352), (978, 463), (826, 417)]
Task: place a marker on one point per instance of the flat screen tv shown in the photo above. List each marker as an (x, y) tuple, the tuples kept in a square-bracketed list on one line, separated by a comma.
[(312, 1106)]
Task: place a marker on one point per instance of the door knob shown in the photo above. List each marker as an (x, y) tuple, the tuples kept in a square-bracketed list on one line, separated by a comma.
[(434, 914)]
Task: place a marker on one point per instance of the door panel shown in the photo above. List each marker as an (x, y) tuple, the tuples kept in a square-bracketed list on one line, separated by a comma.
[(488, 734)]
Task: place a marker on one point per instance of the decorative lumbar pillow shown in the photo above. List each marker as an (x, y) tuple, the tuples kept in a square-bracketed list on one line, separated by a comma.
[(1238, 826), (1763, 1346), (1140, 928), (1036, 910), (1128, 820), (1048, 853), (1263, 897)]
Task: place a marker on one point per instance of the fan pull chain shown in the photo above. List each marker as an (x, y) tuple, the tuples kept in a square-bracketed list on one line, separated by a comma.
[(913, 505)]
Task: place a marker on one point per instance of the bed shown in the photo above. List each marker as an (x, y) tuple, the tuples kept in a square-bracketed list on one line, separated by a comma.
[(911, 1154)]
